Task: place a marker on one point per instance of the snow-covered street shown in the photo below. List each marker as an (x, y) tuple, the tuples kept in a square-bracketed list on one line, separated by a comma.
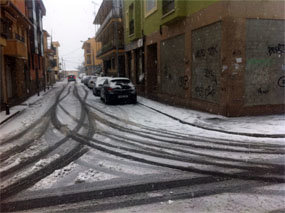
[(68, 144)]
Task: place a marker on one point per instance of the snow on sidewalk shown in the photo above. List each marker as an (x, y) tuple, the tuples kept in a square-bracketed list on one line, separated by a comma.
[(270, 124)]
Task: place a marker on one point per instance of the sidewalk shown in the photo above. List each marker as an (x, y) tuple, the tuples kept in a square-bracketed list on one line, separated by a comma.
[(15, 110), (271, 125)]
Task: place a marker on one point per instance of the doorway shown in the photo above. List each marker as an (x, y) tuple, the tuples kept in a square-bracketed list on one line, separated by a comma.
[(152, 69)]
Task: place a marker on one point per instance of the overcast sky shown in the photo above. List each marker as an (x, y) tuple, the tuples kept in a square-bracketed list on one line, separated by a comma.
[(69, 22)]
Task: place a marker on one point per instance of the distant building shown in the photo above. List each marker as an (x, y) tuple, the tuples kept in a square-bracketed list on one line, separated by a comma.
[(111, 36), (48, 60), (92, 64), (55, 63)]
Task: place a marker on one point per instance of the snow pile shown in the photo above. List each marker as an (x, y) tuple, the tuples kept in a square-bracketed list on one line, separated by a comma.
[(91, 175), (44, 162), (50, 180)]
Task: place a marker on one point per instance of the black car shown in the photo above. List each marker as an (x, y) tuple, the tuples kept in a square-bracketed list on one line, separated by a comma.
[(71, 78), (117, 90)]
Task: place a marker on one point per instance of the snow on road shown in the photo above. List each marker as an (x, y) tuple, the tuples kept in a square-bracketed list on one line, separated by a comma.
[(131, 141)]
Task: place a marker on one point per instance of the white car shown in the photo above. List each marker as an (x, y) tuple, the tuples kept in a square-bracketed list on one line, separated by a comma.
[(98, 85), (91, 81)]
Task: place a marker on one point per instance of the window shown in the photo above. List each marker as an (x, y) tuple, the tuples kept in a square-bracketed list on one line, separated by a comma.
[(88, 48), (131, 20), (6, 28), (113, 63), (150, 6), (88, 59), (167, 6)]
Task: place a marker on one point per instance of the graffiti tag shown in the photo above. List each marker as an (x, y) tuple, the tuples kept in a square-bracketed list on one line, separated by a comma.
[(262, 91), (209, 89), (279, 49), (211, 51), (281, 81), (184, 82)]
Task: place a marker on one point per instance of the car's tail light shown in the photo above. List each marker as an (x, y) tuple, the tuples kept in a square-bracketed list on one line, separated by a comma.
[(110, 89)]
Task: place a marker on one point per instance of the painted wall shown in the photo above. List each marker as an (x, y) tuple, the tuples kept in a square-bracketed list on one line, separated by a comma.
[(206, 65), (265, 62)]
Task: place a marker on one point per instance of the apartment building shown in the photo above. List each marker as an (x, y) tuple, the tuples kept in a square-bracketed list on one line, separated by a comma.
[(48, 60), (111, 36), (55, 66), (92, 64), (223, 57), (36, 10), (14, 49)]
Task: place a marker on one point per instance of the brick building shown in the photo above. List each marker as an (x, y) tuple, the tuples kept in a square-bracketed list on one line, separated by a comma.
[(223, 57)]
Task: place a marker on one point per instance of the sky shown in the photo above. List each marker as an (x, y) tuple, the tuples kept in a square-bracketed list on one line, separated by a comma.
[(70, 22)]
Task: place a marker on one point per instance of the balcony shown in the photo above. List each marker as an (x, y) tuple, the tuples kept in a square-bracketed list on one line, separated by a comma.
[(114, 13), (16, 46), (167, 6), (108, 47), (173, 10)]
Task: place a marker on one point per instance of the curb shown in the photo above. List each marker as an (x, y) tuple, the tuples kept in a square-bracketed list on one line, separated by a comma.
[(257, 135), (11, 116)]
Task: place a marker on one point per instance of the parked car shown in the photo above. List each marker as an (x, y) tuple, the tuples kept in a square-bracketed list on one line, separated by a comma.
[(86, 79), (98, 85), (71, 78), (91, 82), (118, 89)]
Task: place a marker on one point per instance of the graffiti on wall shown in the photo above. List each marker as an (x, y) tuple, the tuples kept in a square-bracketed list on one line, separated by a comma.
[(206, 66), (183, 82), (211, 51), (281, 81), (278, 49), (208, 89), (264, 74)]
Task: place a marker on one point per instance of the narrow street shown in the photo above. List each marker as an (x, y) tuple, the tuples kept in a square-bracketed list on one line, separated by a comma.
[(68, 151)]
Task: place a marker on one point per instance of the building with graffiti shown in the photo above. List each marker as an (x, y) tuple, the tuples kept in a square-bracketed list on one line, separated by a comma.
[(223, 57)]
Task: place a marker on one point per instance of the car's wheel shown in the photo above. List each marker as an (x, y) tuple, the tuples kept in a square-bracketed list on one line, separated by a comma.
[(107, 100)]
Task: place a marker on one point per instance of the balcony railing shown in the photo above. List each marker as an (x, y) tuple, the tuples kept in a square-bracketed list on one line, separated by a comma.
[(114, 13), (109, 46), (132, 27), (167, 6)]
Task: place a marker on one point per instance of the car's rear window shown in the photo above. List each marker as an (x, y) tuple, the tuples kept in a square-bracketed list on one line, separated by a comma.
[(121, 81)]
